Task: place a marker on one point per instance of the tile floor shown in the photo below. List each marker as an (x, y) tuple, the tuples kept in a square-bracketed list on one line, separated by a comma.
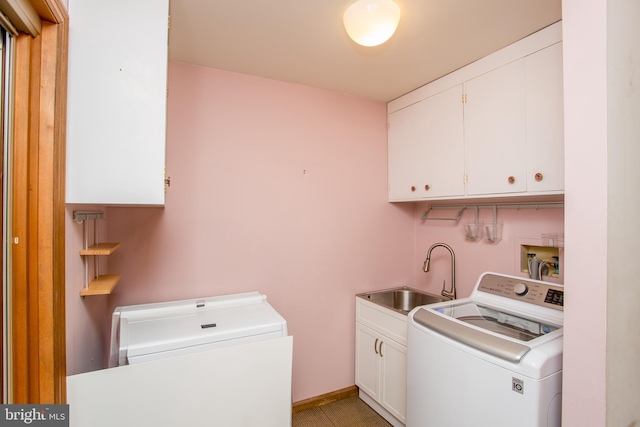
[(349, 412)]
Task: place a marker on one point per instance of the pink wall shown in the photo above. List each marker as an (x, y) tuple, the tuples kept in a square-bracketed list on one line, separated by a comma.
[(281, 188), (278, 188), (585, 56), (520, 227), (601, 376)]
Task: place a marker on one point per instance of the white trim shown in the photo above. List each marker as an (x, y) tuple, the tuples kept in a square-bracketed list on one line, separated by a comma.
[(7, 53)]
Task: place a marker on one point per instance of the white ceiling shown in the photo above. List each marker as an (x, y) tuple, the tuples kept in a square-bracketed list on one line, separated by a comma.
[(303, 41)]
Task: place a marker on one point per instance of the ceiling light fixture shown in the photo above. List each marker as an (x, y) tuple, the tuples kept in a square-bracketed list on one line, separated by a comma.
[(371, 22)]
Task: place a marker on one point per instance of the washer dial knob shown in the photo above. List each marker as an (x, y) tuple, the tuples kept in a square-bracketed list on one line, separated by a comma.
[(520, 289)]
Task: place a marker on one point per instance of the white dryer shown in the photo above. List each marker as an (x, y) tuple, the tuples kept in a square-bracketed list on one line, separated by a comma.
[(146, 332), (493, 359), (218, 361)]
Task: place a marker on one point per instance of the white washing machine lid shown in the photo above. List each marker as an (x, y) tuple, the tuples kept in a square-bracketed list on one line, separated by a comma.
[(497, 321), (488, 329), (149, 329)]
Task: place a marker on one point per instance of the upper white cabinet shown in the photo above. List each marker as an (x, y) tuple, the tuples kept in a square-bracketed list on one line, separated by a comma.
[(514, 127), (117, 93), (426, 148), (495, 131), (545, 120), (492, 128)]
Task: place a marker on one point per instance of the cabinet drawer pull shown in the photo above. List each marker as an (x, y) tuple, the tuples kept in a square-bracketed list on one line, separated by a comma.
[(413, 188), (375, 346), (381, 342), (511, 179), (426, 187), (538, 177)]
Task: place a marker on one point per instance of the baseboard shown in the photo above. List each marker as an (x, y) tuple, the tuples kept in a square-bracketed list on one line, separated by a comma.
[(323, 399)]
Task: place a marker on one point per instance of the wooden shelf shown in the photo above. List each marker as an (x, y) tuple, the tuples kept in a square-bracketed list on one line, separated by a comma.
[(102, 285), (100, 249)]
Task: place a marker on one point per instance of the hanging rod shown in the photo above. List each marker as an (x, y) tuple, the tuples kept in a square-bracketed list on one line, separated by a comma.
[(462, 207)]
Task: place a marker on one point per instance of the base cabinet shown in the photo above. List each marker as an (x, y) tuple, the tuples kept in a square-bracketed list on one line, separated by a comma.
[(368, 361), (393, 371), (381, 361)]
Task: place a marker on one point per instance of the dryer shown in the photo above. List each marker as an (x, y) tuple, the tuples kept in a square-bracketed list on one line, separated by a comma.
[(224, 360), (147, 332), (493, 359)]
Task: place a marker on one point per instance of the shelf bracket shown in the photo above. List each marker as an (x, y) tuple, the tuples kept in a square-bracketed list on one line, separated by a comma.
[(82, 216), (456, 217)]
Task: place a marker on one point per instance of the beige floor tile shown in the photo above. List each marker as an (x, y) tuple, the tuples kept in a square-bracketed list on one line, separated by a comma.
[(311, 418), (352, 412), (349, 412)]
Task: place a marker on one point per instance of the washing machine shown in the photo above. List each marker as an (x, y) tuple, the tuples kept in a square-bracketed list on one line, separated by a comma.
[(492, 359)]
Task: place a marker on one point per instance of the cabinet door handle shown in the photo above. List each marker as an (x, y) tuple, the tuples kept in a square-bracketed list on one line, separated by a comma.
[(375, 346), (511, 179), (381, 342), (426, 187), (538, 177)]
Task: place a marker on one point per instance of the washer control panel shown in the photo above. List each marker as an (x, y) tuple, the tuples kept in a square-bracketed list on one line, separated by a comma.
[(531, 291)]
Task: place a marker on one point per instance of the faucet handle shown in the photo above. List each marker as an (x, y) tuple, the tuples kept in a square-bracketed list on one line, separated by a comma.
[(446, 293)]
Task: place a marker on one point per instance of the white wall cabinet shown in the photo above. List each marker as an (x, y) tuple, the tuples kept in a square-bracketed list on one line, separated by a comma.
[(503, 137), (545, 120), (426, 148), (381, 359), (514, 127), (117, 94), (495, 131)]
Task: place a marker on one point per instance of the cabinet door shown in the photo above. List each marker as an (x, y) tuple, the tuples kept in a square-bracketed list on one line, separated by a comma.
[(117, 101), (545, 120), (495, 133), (393, 393), (367, 361), (426, 148)]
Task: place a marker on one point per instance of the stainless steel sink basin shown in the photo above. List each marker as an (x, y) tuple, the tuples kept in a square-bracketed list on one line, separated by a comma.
[(403, 299)]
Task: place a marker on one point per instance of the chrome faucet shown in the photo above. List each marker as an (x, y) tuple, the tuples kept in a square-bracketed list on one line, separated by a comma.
[(448, 294)]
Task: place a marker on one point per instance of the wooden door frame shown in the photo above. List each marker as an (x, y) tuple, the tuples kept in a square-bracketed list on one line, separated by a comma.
[(38, 368)]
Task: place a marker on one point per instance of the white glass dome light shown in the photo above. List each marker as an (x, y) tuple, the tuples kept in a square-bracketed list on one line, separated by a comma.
[(371, 22)]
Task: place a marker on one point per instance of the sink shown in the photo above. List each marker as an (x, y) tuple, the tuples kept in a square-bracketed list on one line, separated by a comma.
[(403, 299)]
